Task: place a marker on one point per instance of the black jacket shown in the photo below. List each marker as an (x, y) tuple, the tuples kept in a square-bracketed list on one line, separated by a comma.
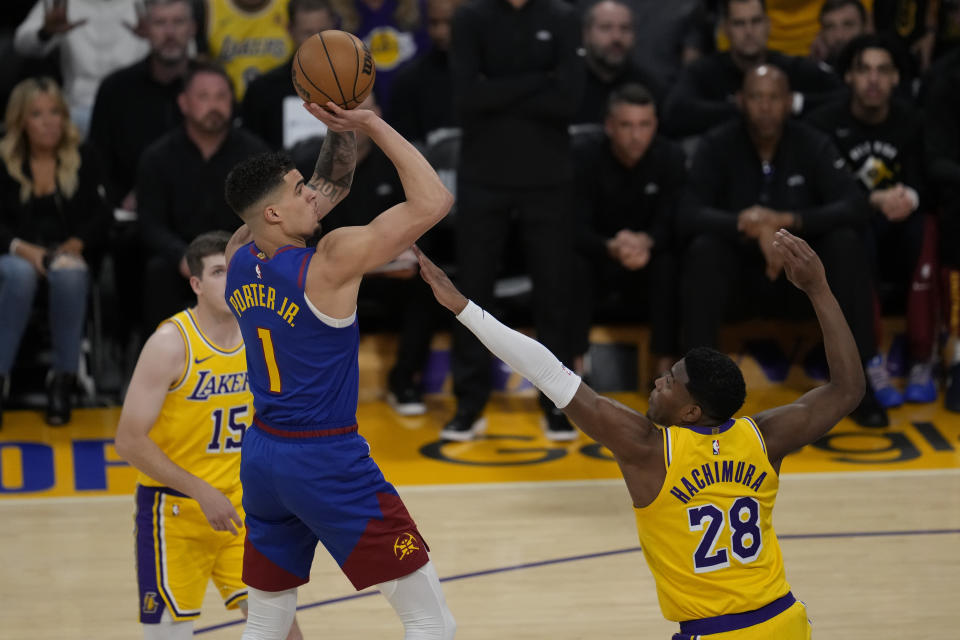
[(180, 195), (518, 78), (50, 220), (704, 94), (809, 178), (611, 197), (262, 108)]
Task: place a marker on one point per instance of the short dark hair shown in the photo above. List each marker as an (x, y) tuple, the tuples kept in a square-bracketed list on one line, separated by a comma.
[(296, 6), (835, 5), (630, 93), (853, 52), (251, 180), (715, 382), (588, 12), (203, 65), (211, 243), (725, 6)]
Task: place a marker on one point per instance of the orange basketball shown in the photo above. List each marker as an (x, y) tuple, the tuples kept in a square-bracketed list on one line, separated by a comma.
[(333, 66)]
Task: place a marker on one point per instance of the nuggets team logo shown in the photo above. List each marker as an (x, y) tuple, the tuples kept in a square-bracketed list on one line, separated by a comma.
[(259, 275), (405, 545), (716, 447), (150, 603)]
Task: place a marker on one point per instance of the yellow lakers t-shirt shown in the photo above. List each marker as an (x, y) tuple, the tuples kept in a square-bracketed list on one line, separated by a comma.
[(207, 411), (708, 536), (248, 43)]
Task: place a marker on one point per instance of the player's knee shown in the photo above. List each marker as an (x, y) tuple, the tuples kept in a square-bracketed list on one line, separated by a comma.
[(269, 614)]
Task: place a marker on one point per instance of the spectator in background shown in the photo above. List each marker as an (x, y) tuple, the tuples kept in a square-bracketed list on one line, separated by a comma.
[(704, 96), (422, 94), (180, 187), (608, 40), (94, 38), (271, 108), (628, 186), (393, 297), (518, 79), (749, 178), (52, 217), (135, 106), (928, 28), (393, 30), (942, 137), (794, 24), (881, 140), (246, 37), (667, 36), (840, 22)]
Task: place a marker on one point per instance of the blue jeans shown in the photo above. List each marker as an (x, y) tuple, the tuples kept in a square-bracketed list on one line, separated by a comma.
[(68, 304)]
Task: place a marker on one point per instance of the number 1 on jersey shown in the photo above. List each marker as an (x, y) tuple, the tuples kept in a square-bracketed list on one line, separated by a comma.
[(266, 341)]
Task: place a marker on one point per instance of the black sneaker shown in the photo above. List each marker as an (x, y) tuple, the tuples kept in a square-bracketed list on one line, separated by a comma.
[(464, 426), (407, 401), (557, 427), (951, 399), (870, 413)]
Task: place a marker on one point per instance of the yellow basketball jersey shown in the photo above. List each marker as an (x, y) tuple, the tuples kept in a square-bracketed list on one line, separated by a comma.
[(247, 44), (708, 536), (207, 411)]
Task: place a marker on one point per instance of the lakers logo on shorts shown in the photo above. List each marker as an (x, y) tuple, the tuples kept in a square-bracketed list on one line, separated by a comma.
[(150, 602), (405, 545)]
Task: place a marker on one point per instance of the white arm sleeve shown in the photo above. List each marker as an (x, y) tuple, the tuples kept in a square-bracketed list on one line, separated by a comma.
[(525, 355)]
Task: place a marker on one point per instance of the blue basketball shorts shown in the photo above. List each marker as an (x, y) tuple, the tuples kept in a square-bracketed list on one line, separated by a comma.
[(303, 487)]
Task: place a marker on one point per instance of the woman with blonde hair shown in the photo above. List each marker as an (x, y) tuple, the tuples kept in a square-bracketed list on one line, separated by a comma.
[(52, 215)]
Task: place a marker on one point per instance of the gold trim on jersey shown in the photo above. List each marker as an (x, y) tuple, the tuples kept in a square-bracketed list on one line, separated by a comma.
[(186, 343), (210, 343)]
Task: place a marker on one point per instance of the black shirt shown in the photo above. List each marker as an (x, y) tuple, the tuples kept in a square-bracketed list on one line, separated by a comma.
[(49, 220), (611, 196), (421, 98), (180, 195), (131, 111), (807, 177), (593, 106), (518, 78), (879, 155), (262, 109), (704, 94), (376, 187)]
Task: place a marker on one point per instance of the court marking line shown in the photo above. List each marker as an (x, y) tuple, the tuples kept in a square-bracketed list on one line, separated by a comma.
[(592, 556), (538, 484)]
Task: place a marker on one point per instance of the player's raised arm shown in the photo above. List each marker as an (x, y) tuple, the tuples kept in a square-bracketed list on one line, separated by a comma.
[(628, 434), (792, 426), (162, 362), (349, 252), (240, 237), (333, 173)]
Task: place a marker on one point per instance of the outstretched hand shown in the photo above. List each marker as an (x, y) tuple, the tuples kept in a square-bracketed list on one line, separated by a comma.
[(801, 263), (443, 290), (339, 119)]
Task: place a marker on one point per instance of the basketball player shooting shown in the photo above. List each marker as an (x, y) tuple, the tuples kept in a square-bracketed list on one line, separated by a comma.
[(307, 473), (703, 483)]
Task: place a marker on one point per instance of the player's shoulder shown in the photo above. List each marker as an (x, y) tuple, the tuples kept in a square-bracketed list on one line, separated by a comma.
[(166, 348)]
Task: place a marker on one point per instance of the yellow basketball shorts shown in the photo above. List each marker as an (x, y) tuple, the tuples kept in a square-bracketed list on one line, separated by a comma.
[(790, 624), (178, 553)]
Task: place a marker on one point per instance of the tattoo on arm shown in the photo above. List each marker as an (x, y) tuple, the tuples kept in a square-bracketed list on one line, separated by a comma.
[(333, 174)]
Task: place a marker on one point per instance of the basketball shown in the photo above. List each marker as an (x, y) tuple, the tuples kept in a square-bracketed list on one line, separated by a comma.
[(333, 66)]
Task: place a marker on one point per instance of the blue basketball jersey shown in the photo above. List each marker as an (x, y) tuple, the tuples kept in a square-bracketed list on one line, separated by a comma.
[(303, 372)]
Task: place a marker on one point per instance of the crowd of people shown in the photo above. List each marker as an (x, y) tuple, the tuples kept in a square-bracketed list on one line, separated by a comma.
[(636, 158)]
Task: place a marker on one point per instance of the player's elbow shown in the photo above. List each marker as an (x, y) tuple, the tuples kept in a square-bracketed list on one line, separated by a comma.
[(436, 205), (124, 443)]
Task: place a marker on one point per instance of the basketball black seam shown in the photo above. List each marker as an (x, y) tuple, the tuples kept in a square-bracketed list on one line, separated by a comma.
[(333, 70), (304, 74), (356, 76)]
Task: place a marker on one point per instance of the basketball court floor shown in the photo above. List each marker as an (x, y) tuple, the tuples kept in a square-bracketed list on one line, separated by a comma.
[(533, 539)]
